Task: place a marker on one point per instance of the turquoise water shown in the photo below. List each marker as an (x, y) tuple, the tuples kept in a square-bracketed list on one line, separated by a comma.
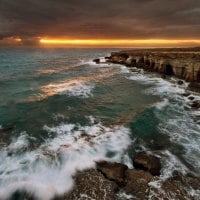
[(60, 112)]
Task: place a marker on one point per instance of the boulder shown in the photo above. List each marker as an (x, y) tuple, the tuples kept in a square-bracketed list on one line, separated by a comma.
[(91, 184), (147, 162), (137, 183), (97, 60), (113, 171)]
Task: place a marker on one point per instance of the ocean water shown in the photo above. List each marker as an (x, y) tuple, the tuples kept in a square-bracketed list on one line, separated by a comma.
[(60, 112)]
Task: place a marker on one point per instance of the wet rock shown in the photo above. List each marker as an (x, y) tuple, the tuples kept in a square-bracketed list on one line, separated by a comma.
[(180, 82), (107, 57), (22, 195), (191, 98), (195, 104), (178, 187), (163, 76), (113, 171), (194, 86), (91, 184), (186, 94), (137, 183), (7, 128), (148, 163), (97, 60)]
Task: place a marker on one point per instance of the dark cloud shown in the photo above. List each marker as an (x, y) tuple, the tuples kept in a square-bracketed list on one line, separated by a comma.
[(100, 18)]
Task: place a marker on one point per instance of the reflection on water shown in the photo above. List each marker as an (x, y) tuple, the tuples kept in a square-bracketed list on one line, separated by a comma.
[(80, 86)]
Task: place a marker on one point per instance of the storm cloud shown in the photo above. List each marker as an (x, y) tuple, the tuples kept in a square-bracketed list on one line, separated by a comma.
[(100, 18)]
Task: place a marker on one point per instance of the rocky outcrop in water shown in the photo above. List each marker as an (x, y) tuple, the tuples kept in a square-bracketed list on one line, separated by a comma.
[(115, 181), (148, 163), (182, 63), (113, 171)]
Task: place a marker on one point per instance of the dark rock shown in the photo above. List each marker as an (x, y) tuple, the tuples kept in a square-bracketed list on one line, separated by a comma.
[(177, 187), (180, 82), (113, 171), (186, 94), (8, 128), (97, 60), (195, 104), (137, 183), (91, 184), (22, 195), (163, 76), (191, 98), (148, 163), (194, 86), (107, 57)]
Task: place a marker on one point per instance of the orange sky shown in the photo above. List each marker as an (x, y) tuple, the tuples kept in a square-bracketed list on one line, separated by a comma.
[(63, 42)]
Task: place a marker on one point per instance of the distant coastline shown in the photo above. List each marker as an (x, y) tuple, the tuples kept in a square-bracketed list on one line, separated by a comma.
[(183, 63)]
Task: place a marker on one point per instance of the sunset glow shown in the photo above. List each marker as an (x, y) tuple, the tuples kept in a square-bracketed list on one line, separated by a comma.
[(117, 42)]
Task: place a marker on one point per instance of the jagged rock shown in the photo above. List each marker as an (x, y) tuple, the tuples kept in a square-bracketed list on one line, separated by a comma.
[(91, 184), (195, 104), (165, 61), (97, 60), (137, 183), (113, 171), (148, 163), (178, 187)]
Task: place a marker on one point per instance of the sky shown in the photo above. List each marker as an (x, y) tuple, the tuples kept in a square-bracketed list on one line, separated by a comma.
[(32, 20)]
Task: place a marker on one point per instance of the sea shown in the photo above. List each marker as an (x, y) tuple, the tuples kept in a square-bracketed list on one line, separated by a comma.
[(60, 113)]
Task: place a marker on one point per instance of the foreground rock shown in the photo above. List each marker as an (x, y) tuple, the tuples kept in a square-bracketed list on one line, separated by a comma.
[(137, 183), (102, 183), (91, 184), (178, 187), (113, 171), (148, 163)]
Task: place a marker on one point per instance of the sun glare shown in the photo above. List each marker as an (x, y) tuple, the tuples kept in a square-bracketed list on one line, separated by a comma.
[(116, 42)]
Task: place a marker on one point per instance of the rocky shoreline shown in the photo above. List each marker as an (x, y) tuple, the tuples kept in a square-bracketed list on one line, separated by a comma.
[(183, 63), (111, 181), (115, 181)]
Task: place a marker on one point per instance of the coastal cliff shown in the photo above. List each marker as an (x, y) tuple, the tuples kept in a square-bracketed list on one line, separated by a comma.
[(183, 63)]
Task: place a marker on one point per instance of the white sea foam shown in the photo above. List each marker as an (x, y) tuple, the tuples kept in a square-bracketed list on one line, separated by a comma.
[(159, 85), (48, 171), (19, 143), (124, 69), (162, 104), (82, 90), (72, 88), (124, 196), (174, 121)]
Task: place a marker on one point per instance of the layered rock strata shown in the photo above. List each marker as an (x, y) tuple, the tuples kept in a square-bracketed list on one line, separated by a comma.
[(182, 63)]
